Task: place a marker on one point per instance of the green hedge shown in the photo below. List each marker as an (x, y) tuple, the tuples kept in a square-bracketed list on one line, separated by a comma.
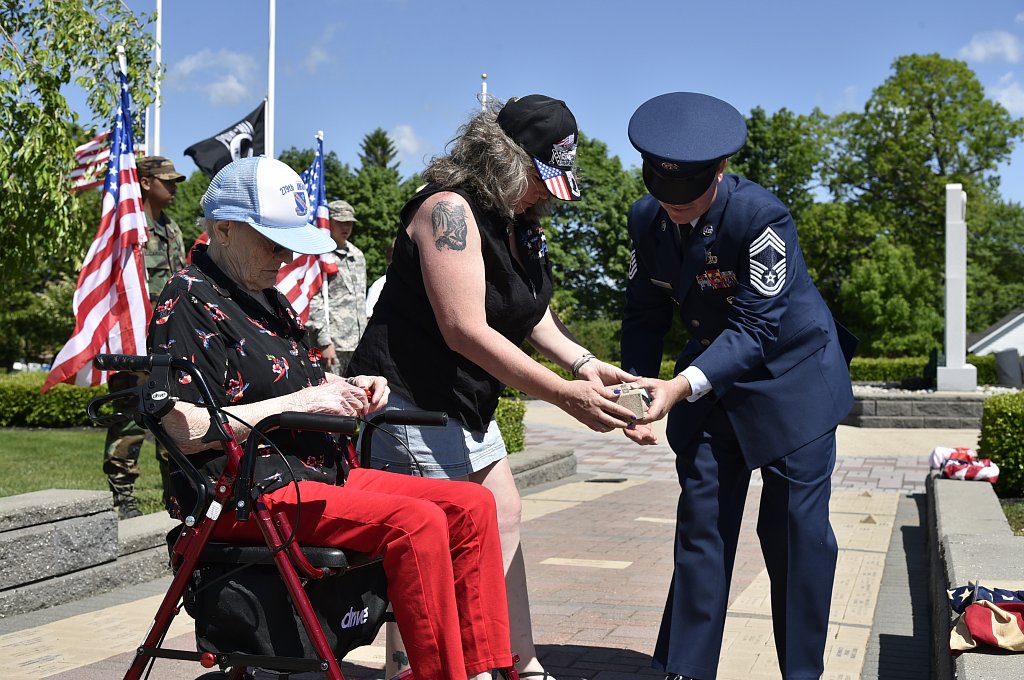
[(22, 405), (510, 415), (1002, 440), (896, 369)]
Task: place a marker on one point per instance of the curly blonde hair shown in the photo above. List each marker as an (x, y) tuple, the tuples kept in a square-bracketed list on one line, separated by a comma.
[(485, 162)]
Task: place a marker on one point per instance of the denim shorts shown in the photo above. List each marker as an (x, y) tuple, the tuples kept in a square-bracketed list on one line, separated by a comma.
[(448, 452)]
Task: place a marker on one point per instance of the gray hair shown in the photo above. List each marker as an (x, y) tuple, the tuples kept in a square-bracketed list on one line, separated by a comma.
[(485, 162)]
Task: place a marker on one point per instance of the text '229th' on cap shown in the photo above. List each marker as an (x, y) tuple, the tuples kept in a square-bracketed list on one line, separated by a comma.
[(271, 198)]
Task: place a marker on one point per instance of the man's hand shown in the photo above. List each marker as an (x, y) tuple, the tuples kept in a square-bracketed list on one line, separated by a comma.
[(664, 395), (328, 357), (641, 434)]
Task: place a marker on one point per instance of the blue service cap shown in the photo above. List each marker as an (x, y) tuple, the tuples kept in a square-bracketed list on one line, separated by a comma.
[(682, 136)]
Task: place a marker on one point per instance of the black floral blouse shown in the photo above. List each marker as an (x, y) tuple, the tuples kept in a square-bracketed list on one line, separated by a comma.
[(246, 354)]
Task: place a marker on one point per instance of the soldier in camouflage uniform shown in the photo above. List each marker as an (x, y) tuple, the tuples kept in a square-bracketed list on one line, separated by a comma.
[(337, 326), (165, 254)]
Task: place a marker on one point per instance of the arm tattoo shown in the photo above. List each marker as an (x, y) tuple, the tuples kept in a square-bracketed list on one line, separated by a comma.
[(449, 222)]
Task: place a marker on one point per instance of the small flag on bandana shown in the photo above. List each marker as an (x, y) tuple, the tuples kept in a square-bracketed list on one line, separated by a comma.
[(303, 277), (111, 302), (555, 181)]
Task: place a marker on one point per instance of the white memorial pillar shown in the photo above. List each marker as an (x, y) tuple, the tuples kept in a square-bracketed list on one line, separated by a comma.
[(956, 375)]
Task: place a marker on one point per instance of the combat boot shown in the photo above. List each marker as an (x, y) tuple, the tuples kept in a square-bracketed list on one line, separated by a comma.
[(127, 506)]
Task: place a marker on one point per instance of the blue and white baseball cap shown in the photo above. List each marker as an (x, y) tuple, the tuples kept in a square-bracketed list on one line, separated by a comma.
[(271, 198)]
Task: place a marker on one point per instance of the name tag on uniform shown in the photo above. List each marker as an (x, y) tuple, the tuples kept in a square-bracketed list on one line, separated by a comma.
[(661, 284)]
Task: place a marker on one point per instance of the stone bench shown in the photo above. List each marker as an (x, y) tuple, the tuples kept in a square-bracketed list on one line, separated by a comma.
[(61, 545), (916, 409), (969, 540)]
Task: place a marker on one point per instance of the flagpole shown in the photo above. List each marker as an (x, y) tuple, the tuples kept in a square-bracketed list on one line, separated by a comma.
[(269, 131), (155, 149), (483, 91)]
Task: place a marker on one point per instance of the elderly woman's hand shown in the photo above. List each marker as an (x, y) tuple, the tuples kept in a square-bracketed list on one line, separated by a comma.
[(336, 397)]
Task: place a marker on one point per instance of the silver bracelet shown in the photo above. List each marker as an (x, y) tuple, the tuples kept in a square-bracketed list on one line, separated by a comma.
[(579, 363)]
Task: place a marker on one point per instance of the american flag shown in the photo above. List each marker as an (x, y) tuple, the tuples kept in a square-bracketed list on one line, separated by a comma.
[(302, 278), (111, 302), (554, 180), (91, 160)]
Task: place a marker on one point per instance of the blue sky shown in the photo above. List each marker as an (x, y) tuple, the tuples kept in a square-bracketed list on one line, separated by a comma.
[(413, 67)]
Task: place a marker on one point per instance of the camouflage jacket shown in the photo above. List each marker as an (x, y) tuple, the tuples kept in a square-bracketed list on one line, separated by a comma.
[(346, 300), (165, 253)]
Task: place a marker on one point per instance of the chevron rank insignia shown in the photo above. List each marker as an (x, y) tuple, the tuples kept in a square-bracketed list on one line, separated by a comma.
[(632, 264), (768, 263)]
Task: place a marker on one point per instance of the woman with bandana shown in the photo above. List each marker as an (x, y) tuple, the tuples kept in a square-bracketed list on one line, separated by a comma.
[(468, 283)]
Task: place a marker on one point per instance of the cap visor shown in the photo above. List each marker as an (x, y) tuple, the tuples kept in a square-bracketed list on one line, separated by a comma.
[(306, 240), (678, 190), (560, 183)]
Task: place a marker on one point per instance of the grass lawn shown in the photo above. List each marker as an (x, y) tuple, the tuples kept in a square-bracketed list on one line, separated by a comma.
[(70, 458), (1014, 510)]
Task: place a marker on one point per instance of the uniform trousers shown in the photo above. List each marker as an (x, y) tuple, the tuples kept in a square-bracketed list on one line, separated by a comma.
[(796, 540), (442, 557)]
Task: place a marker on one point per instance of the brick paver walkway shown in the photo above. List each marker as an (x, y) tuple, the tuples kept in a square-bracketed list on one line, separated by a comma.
[(599, 557)]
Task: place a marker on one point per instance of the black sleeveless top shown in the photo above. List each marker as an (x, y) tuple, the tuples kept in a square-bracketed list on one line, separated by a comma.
[(403, 343)]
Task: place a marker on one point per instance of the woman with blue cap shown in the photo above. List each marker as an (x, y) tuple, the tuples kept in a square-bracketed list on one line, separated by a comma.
[(440, 544)]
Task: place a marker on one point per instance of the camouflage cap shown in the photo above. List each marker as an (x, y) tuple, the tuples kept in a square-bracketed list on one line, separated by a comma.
[(160, 167), (341, 211)]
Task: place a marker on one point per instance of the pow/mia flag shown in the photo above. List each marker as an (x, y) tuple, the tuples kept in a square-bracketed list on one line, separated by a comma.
[(241, 140), (768, 263)]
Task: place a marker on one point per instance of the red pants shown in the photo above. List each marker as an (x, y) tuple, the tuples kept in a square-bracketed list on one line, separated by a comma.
[(442, 557)]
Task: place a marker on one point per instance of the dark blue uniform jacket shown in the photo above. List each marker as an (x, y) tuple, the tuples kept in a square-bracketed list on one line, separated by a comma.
[(759, 329)]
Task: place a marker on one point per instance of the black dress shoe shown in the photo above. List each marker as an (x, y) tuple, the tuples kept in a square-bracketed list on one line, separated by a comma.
[(678, 677)]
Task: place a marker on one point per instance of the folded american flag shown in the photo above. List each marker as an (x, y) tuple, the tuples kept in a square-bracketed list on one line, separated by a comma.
[(992, 617), (963, 464)]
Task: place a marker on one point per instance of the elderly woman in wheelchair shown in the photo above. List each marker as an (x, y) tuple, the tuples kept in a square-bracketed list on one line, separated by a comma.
[(438, 541)]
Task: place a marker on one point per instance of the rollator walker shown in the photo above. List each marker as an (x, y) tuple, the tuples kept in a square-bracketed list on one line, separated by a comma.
[(275, 609)]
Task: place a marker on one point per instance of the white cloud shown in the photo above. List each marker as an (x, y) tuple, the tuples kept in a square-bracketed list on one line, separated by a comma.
[(409, 145), (849, 101), (317, 55), (225, 77), (320, 50), (991, 46), (1010, 94), (1019, 18)]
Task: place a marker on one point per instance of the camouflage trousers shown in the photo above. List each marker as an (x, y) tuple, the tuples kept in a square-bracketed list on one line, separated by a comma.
[(122, 449), (342, 363)]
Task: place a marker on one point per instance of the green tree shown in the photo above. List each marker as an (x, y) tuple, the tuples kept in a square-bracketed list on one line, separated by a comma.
[(834, 236), (890, 304), (784, 153), (378, 151), (187, 207), (927, 125), (47, 47), (377, 195), (337, 175), (589, 240), (995, 262)]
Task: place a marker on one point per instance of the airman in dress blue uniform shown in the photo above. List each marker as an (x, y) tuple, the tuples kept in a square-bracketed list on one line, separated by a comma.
[(762, 383)]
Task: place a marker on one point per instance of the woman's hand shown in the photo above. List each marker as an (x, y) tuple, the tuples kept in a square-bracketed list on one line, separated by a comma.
[(377, 387), (603, 373), (335, 397), (593, 405)]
